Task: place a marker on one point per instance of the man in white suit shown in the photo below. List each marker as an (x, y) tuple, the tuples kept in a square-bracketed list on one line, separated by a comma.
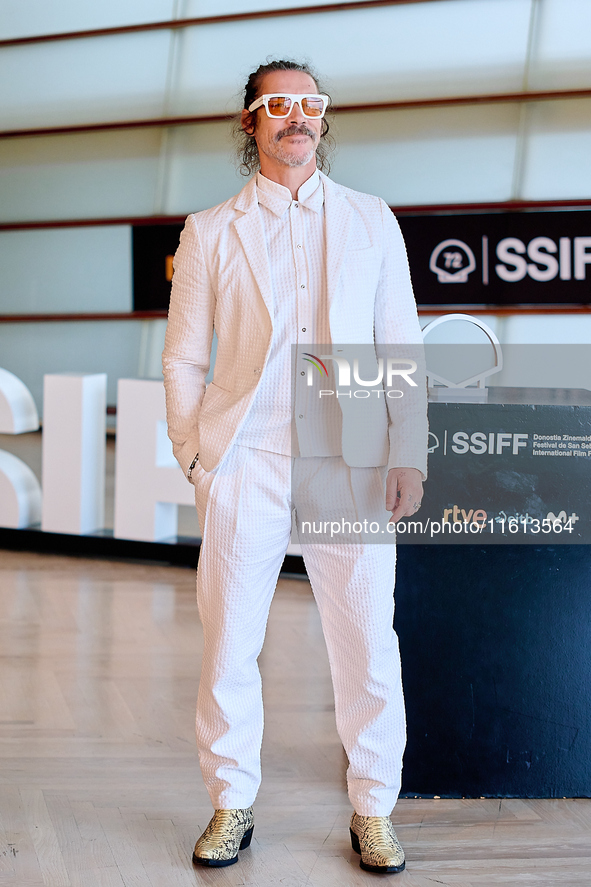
[(293, 259)]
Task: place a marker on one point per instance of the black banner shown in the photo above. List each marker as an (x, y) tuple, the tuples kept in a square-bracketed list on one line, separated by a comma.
[(506, 473), (153, 249), (510, 258)]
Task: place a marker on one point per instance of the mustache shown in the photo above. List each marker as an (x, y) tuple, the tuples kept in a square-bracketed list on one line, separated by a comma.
[(301, 130)]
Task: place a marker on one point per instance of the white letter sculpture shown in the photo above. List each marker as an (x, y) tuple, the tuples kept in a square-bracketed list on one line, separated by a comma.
[(20, 493), (74, 451), (149, 484)]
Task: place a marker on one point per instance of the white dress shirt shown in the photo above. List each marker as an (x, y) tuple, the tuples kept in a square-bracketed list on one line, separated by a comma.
[(296, 248)]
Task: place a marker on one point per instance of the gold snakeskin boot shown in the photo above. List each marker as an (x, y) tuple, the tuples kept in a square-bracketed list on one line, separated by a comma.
[(228, 832), (375, 839)]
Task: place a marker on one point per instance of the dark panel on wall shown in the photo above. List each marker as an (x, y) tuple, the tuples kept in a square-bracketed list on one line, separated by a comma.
[(500, 258), (496, 659), (153, 249)]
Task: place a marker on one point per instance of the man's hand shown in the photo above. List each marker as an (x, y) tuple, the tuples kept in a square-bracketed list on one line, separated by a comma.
[(404, 491)]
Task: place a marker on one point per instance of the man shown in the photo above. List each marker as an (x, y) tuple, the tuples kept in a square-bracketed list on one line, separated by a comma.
[(293, 259)]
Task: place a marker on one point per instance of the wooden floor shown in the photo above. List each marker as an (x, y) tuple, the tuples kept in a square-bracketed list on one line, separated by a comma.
[(99, 783)]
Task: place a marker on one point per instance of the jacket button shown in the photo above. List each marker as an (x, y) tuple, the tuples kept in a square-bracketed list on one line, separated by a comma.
[(257, 371)]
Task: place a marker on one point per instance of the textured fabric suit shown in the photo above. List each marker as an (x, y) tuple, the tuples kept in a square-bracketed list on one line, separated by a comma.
[(222, 276), (244, 496)]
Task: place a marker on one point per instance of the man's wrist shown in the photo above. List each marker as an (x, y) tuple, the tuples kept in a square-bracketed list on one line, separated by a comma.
[(398, 468)]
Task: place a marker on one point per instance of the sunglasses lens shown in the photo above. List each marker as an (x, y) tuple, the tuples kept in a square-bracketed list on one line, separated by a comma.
[(312, 106), (279, 106)]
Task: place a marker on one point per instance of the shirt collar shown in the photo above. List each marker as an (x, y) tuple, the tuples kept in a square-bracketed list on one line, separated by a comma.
[(277, 198)]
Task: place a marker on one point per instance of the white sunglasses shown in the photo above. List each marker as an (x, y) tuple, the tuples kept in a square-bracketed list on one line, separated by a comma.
[(280, 105)]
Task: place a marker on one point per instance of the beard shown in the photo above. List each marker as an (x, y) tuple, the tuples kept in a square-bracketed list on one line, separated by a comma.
[(289, 156)]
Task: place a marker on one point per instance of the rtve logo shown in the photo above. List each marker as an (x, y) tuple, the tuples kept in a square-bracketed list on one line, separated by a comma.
[(542, 259)]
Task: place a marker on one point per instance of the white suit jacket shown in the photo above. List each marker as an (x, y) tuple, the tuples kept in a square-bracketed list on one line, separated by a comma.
[(222, 280)]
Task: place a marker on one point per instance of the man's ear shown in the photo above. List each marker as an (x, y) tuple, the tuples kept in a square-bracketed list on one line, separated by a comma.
[(247, 120)]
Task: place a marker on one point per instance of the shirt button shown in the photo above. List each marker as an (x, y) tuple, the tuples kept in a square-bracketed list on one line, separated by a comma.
[(303, 373), (302, 286), (300, 416), (299, 245), (296, 205), (303, 329)]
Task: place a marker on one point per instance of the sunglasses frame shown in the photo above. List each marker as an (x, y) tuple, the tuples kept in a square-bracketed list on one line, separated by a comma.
[(295, 98)]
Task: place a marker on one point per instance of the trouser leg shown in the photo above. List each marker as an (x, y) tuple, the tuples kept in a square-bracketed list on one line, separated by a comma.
[(245, 514), (354, 588), (353, 585)]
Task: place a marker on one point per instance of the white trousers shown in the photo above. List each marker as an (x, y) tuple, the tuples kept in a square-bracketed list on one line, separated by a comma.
[(245, 511)]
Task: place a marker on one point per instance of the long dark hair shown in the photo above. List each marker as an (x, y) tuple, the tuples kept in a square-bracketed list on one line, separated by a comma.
[(246, 146)]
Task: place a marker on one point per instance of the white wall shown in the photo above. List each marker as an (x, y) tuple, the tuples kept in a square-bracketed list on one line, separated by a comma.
[(407, 51), (66, 270), (29, 350)]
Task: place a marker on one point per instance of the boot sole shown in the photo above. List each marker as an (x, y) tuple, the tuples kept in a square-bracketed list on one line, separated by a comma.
[(220, 863)]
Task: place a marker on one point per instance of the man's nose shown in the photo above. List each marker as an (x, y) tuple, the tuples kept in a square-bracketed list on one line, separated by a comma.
[(295, 112)]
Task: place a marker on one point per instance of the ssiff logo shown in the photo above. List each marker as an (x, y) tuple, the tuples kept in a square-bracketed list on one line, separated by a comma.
[(452, 261)]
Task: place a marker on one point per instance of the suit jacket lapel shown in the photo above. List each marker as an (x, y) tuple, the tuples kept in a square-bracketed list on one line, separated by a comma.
[(251, 232), (338, 218)]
